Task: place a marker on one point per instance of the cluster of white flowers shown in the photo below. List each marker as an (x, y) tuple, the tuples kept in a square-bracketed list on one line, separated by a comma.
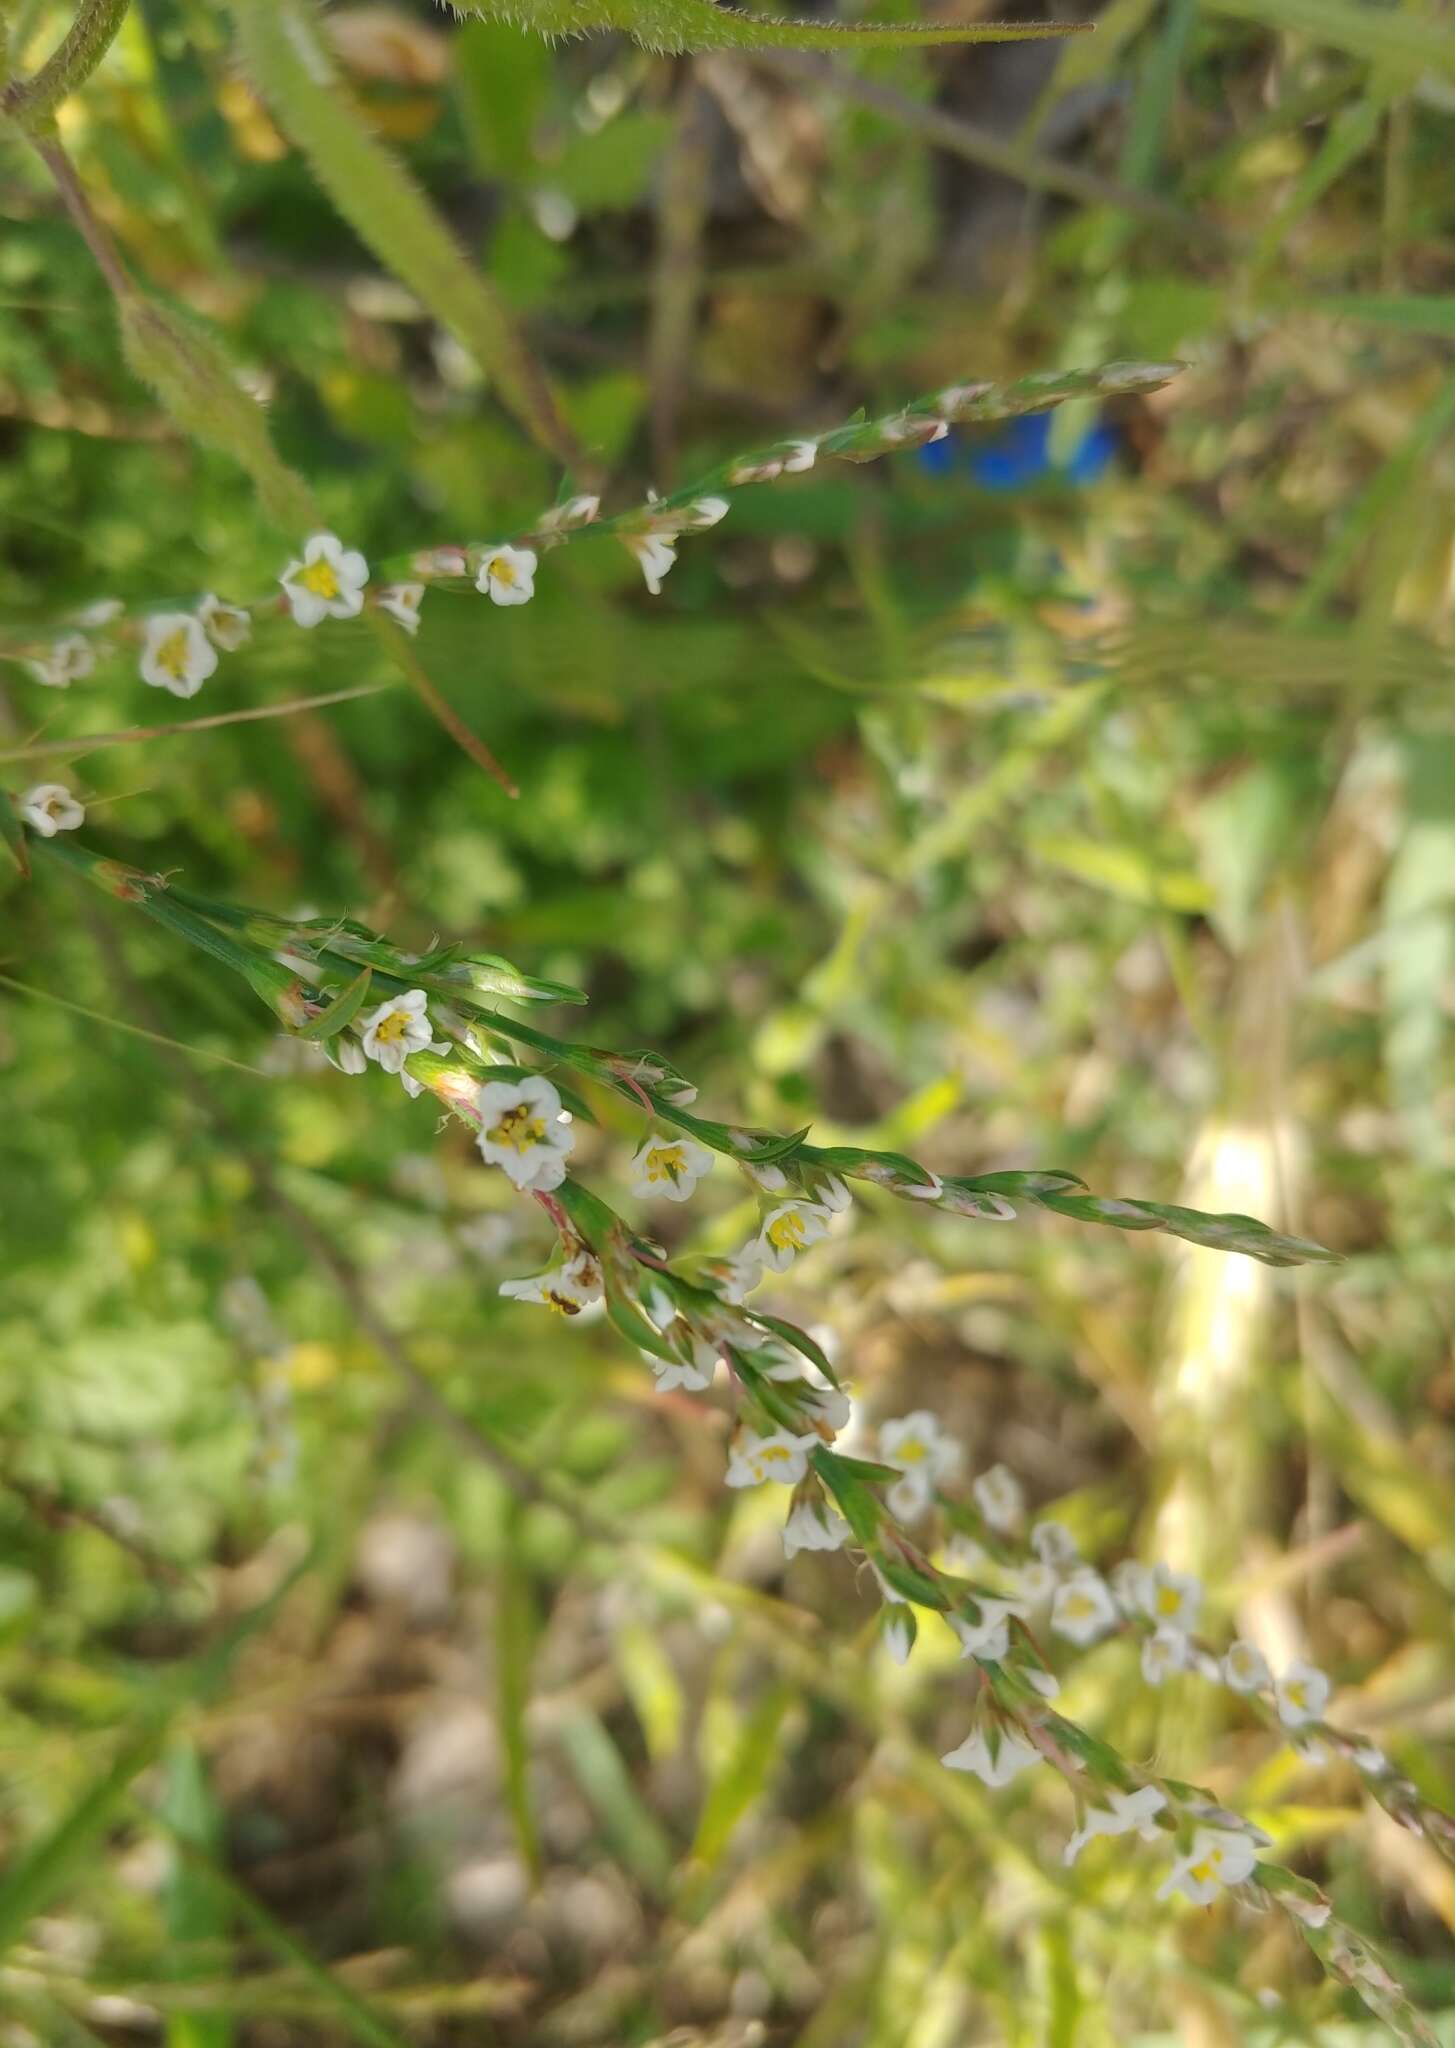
[(790, 460), (567, 1289), (923, 1455)]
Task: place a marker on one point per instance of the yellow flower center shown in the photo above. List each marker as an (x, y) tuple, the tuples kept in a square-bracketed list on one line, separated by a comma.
[(392, 1028), (1169, 1600), (502, 569), (1296, 1694), (773, 1454), (172, 652), (785, 1232), (561, 1304), (1077, 1603), (912, 1451), (1207, 1869), (666, 1162), (321, 578), (518, 1129)]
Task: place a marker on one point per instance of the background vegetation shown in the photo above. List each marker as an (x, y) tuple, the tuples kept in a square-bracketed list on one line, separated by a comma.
[(1082, 797)]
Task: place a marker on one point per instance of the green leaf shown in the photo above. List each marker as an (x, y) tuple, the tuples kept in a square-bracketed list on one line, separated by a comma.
[(196, 1911), (1227, 1233), (798, 1339), (288, 57), (673, 26), (342, 1010), (743, 1779), (629, 1824)]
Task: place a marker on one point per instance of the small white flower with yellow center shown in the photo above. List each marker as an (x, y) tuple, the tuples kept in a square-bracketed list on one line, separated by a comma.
[(655, 557), (1000, 1500), (1217, 1859), (521, 1132), (565, 1290), (777, 1456), (327, 583), (1172, 1599), (994, 1754), (1163, 1652), (64, 662), (1054, 1545), (1245, 1668), (507, 575), (397, 1028), (402, 601), (1301, 1694), (1083, 1609), (919, 1450), (176, 654), (1126, 1813), (227, 626), (669, 1167), (787, 1230), (50, 808)]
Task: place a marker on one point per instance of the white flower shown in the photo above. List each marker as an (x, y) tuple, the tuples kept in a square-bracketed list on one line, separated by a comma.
[(64, 662), (565, 518), (1245, 1668), (814, 1525), (227, 626), (101, 612), (701, 513), (328, 583), (897, 1631), (788, 1230), (1217, 1858), (1370, 1759), (989, 1637), (1131, 1583), (1045, 1683), (50, 808), (1163, 1652), (402, 601), (655, 557), (1054, 1545), (565, 1289), (521, 1131), (508, 575), (1301, 1694), (995, 1756), (770, 1178), (775, 1456), (669, 1167), (801, 455), (694, 1371), (1034, 1582), (909, 1497), (1000, 1500), (1126, 1813), (176, 654), (397, 1028), (963, 1555), (345, 1053), (833, 1193), (827, 1408), (1172, 1599), (734, 1279), (915, 1443), (1083, 1610)]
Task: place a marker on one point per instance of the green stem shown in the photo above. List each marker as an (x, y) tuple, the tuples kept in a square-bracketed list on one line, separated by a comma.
[(30, 102)]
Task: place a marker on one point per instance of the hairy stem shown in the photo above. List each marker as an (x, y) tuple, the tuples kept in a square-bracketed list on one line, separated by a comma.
[(30, 102)]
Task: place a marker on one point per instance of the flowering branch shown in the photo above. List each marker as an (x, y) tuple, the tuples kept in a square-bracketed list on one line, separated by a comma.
[(432, 1020)]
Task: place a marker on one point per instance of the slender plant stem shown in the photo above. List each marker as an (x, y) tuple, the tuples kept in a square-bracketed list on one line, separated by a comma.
[(30, 102), (89, 225)]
